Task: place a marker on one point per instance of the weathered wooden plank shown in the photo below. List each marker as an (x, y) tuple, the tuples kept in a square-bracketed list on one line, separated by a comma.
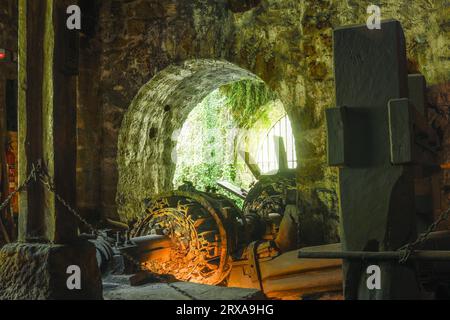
[(47, 116), (31, 75), (65, 68), (251, 163)]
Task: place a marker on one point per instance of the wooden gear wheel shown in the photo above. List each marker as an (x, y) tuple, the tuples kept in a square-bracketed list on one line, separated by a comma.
[(204, 229)]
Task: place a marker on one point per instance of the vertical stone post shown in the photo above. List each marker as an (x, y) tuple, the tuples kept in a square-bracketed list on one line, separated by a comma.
[(370, 140)]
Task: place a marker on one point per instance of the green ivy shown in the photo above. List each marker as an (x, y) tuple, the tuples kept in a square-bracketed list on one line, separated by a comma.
[(205, 149), (246, 99)]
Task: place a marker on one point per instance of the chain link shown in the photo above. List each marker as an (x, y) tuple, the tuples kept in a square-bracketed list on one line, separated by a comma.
[(47, 183), (409, 248), (32, 176), (37, 173)]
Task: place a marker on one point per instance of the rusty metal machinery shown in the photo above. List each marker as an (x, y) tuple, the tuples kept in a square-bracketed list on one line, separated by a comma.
[(312, 220), (208, 232), (202, 237), (265, 204), (205, 231)]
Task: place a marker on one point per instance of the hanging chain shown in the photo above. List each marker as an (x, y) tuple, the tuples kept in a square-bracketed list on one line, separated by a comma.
[(46, 181), (7, 201), (38, 174), (409, 248), (32, 177)]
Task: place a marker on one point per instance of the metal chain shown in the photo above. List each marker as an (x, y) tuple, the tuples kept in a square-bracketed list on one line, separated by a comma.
[(46, 182), (409, 248), (31, 176), (7, 201), (38, 173)]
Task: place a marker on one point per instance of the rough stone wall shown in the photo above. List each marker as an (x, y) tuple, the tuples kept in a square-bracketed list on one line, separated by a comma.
[(146, 141), (140, 38), (439, 116), (287, 43), (8, 37)]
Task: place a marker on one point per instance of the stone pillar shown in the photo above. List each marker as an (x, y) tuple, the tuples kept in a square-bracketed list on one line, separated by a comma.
[(370, 140), (48, 232)]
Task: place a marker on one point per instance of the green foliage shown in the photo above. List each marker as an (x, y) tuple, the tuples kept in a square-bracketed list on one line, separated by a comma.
[(206, 150), (246, 99)]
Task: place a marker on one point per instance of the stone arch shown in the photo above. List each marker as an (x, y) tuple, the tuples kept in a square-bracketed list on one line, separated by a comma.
[(161, 106)]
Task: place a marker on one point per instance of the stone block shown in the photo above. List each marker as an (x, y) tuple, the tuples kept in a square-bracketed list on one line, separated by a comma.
[(36, 271)]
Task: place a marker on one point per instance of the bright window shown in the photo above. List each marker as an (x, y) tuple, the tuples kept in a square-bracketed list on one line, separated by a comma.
[(267, 158)]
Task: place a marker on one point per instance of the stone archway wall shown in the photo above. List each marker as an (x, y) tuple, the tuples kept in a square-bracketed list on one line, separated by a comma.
[(287, 43), (146, 138)]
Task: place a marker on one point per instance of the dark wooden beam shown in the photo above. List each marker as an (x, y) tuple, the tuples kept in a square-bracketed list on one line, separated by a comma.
[(32, 225), (48, 63), (4, 235), (65, 71)]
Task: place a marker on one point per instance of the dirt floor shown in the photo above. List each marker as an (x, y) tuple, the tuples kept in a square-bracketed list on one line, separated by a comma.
[(119, 288)]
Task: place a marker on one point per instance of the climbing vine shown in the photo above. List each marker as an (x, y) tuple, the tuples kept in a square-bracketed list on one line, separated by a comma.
[(245, 100), (206, 147)]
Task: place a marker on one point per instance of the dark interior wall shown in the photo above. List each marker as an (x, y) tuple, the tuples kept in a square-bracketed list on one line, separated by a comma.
[(8, 25), (286, 43), (8, 93), (11, 104), (439, 117), (89, 115), (8, 36)]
